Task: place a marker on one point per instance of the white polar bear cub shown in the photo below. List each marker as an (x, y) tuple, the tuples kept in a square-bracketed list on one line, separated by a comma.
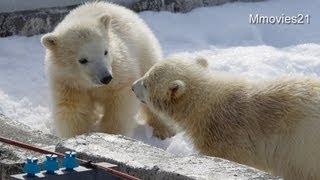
[(272, 125), (92, 58)]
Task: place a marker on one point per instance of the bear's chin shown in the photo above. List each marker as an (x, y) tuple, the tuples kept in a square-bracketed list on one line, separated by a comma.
[(99, 85)]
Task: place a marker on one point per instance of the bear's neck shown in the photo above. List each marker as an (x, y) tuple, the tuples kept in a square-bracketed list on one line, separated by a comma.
[(211, 116), (204, 95)]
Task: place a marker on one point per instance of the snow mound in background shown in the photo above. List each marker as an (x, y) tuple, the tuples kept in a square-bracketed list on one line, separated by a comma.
[(262, 62), (221, 34)]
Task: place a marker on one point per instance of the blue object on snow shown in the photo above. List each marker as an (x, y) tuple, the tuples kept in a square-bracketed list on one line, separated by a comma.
[(51, 163), (31, 167), (70, 161)]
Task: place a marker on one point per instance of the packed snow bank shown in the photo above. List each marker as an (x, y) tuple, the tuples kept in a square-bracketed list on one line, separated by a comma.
[(228, 25), (222, 34)]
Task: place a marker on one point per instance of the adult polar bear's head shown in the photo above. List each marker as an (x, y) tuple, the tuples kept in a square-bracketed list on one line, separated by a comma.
[(167, 82), (79, 52)]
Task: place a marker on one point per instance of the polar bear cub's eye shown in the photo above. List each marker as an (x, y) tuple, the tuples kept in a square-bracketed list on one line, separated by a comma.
[(83, 61), (105, 52)]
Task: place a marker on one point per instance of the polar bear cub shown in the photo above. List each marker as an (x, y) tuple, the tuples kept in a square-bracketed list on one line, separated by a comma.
[(92, 58), (272, 125)]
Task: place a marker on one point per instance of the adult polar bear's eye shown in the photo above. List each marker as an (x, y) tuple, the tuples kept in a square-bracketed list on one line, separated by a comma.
[(83, 61), (105, 52)]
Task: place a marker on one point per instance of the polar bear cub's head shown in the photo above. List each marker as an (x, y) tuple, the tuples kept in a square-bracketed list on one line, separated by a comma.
[(79, 52), (168, 81)]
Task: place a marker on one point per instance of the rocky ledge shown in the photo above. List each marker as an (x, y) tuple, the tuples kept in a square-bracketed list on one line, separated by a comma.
[(131, 156), (12, 157), (39, 21), (148, 162)]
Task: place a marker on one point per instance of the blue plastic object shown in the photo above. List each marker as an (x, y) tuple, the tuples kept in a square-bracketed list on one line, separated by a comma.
[(31, 167), (70, 161), (51, 163)]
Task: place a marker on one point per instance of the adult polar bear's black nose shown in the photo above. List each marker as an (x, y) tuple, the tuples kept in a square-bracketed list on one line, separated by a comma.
[(106, 79)]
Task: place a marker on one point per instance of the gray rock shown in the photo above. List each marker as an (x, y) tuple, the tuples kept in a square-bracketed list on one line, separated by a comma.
[(22, 5), (183, 6), (147, 162), (131, 156), (11, 157), (32, 22), (27, 23)]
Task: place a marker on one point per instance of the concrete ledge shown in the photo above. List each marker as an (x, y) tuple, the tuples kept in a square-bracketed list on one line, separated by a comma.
[(11, 157), (131, 156), (147, 162)]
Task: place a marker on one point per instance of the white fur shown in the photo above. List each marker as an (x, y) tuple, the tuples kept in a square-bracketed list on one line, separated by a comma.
[(77, 94), (272, 125)]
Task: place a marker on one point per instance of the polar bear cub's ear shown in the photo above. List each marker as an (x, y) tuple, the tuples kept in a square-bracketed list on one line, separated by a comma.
[(105, 20), (202, 62), (49, 40), (177, 88)]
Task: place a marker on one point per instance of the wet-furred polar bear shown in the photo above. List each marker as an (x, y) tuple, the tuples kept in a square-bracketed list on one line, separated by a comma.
[(92, 58), (273, 125)]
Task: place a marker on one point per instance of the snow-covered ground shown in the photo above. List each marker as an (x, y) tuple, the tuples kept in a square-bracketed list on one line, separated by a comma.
[(222, 34)]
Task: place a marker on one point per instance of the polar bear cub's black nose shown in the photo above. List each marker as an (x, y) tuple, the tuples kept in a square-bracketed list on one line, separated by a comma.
[(106, 79)]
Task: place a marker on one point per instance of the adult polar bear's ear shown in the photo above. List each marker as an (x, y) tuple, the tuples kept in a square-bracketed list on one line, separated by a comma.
[(202, 62), (49, 40), (105, 20), (177, 88)]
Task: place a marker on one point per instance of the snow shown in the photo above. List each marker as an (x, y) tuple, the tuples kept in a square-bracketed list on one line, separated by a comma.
[(222, 34)]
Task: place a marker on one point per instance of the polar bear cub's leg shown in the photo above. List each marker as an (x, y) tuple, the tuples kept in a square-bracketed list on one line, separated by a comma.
[(160, 129), (73, 113), (118, 113)]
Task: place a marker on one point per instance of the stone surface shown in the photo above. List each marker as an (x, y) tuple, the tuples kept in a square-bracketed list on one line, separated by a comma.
[(131, 156), (179, 5), (32, 22), (27, 23), (23, 5), (147, 162), (11, 157)]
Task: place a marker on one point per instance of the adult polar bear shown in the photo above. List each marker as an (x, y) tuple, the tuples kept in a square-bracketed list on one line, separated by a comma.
[(92, 58), (272, 125)]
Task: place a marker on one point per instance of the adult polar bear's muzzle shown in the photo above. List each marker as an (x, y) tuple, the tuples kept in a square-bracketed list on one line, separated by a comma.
[(139, 90)]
